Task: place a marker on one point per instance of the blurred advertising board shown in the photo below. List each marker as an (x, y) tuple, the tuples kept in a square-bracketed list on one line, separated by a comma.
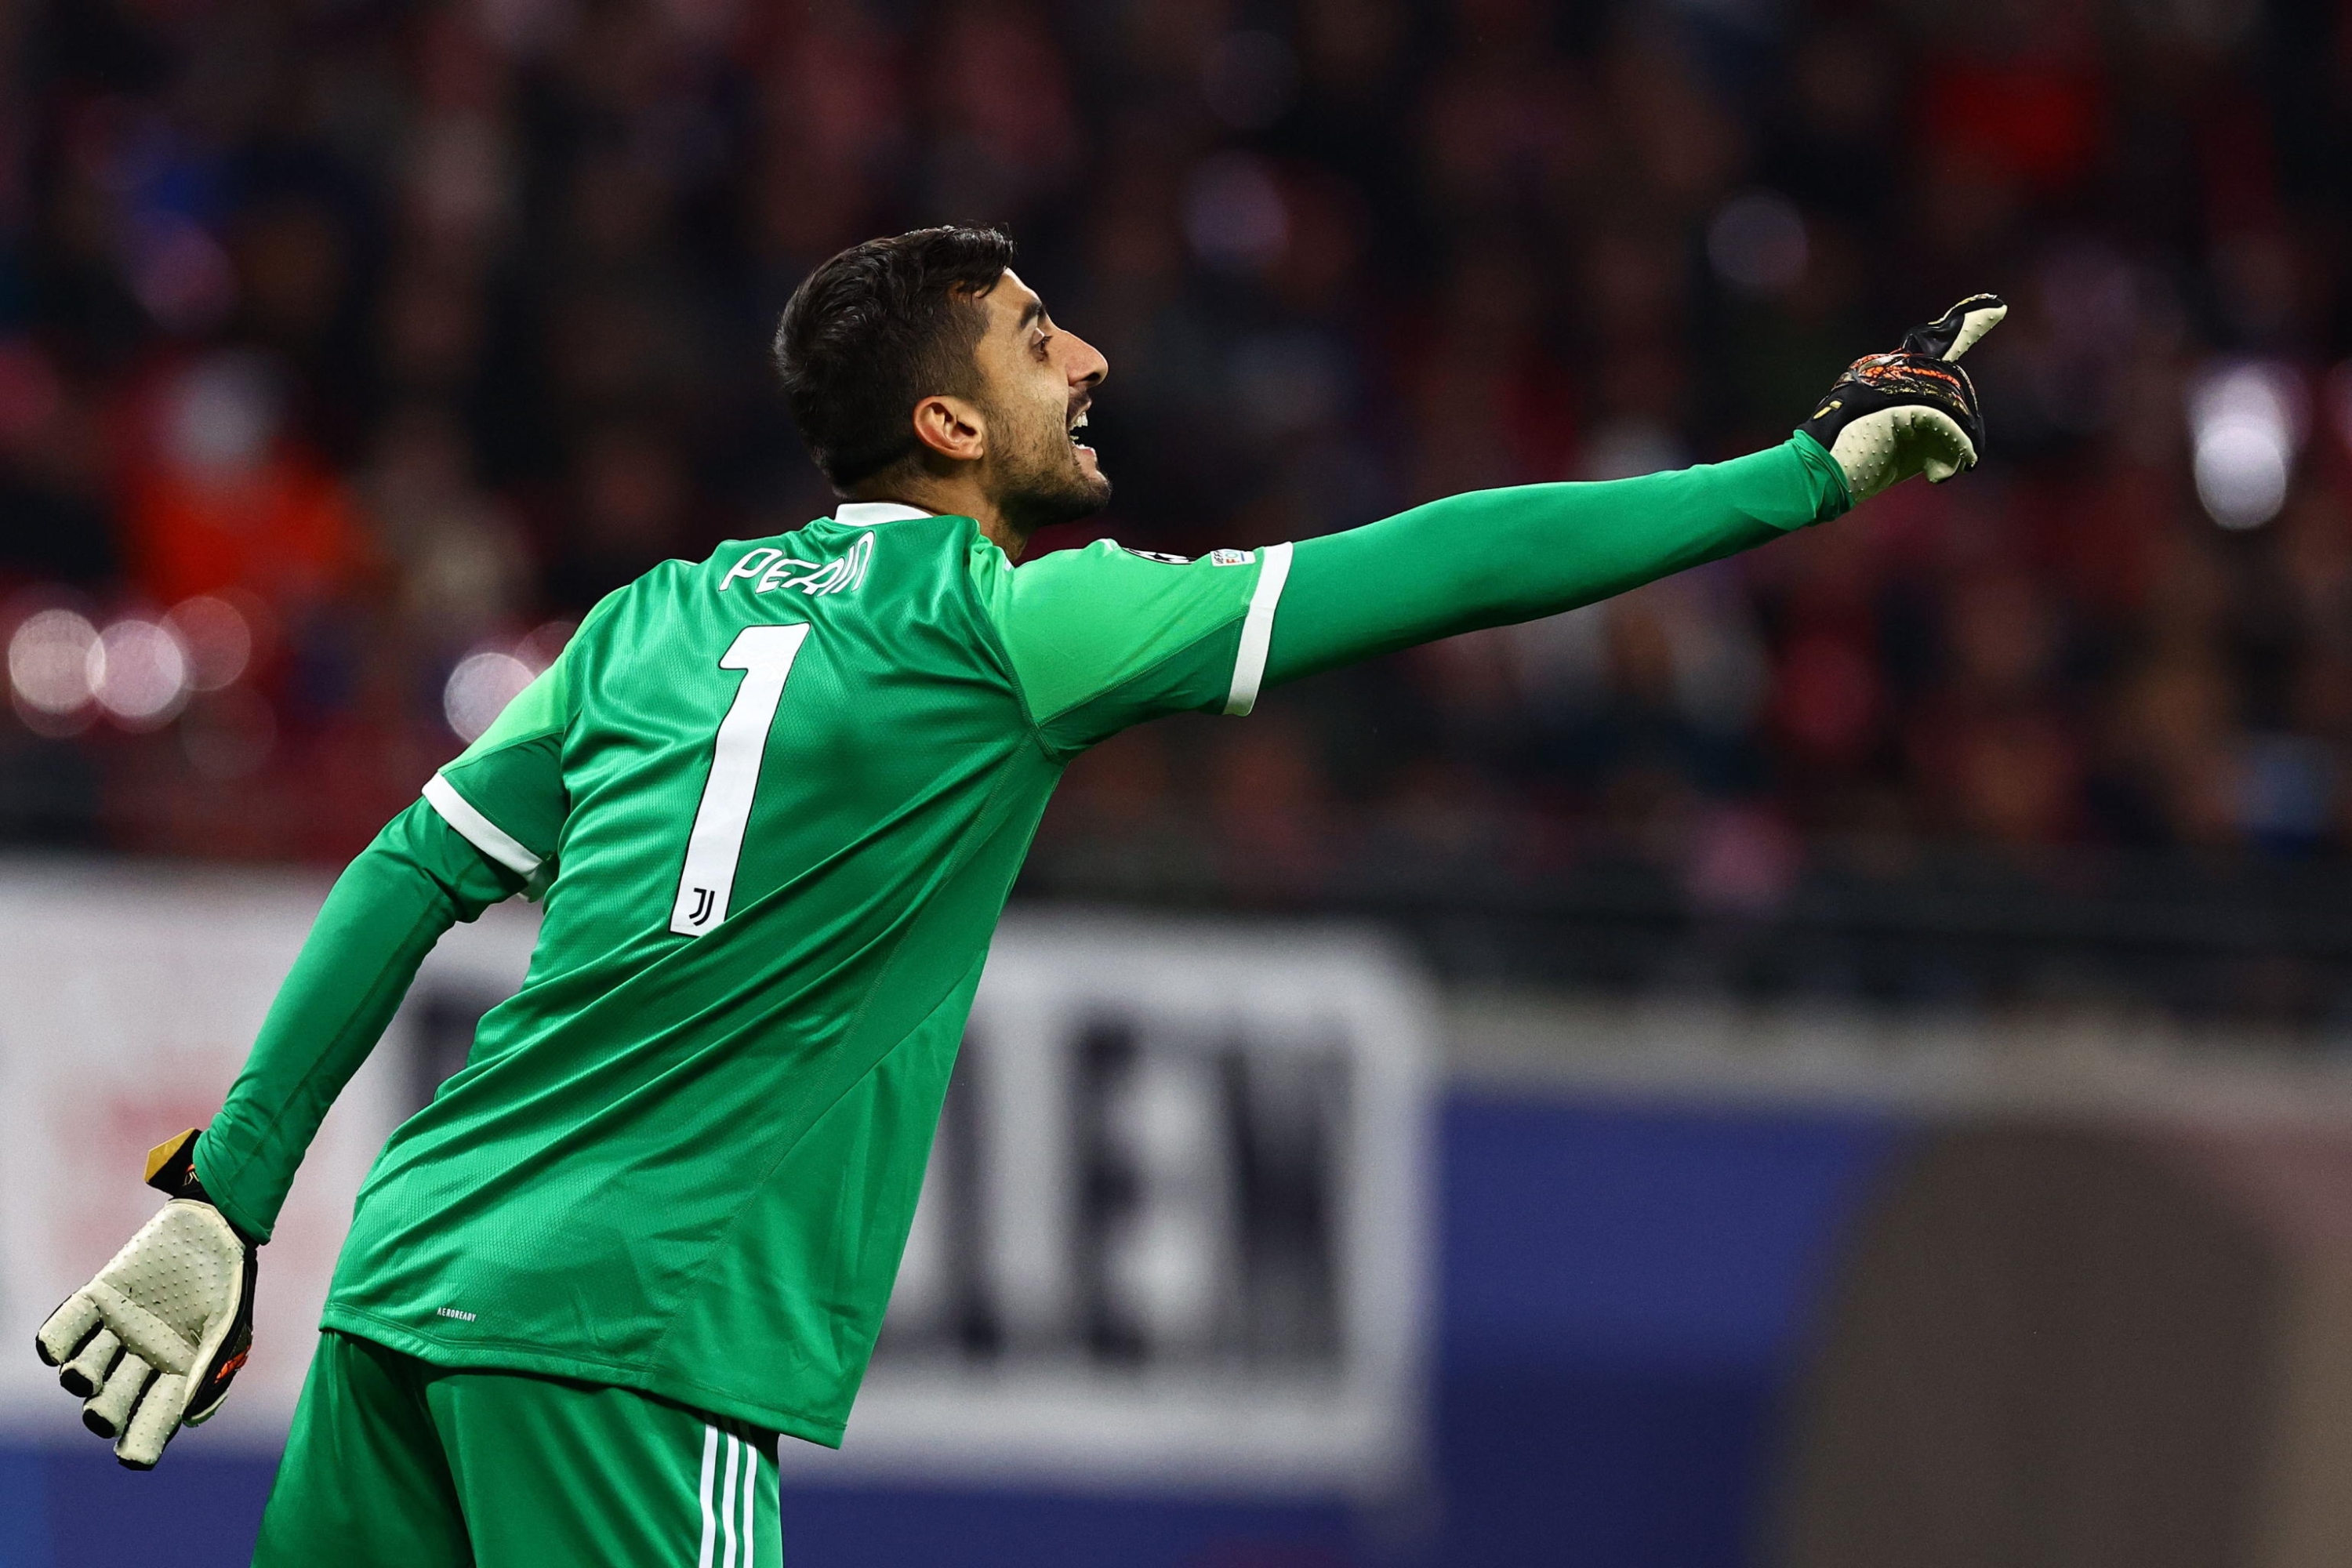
[(1173, 1232), (1173, 1228)]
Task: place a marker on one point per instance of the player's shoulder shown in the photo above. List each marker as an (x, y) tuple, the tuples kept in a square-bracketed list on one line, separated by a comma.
[(1111, 555), (1107, 561)]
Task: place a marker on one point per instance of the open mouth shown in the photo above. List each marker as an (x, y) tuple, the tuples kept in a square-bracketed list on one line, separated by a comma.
[(1077, 424)]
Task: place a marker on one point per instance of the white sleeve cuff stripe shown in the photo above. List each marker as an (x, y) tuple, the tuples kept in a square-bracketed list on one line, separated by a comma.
[(477, 829), (1257, 629)]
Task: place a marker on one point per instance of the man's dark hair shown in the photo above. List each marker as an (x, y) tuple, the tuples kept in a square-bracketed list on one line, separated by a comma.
[(878, 329)]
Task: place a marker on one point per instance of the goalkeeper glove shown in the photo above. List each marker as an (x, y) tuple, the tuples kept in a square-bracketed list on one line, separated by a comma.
[(154, 1341), (1912, 411)]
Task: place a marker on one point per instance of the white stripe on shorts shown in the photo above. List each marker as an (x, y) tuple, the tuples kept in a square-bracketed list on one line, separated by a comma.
[(709, 1523), (750, 1490), (726, 1509), (722, 1545)]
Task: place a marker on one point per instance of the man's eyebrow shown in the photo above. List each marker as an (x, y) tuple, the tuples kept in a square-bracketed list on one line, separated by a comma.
[(1034, 311)]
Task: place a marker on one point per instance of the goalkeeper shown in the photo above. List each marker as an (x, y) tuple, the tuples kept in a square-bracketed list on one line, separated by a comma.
[(774, 800)]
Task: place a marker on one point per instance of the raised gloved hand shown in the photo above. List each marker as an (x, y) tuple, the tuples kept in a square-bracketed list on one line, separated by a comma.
[(153, 1342), (1912, 411)]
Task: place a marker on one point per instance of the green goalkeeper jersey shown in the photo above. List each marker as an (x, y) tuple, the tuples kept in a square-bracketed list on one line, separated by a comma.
[(782, 794), (775, 801)]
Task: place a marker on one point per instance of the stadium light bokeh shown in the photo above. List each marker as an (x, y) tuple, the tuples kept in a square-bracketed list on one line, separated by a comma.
[(2246, 425)]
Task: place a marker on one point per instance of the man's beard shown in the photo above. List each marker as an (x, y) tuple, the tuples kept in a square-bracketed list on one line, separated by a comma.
[(1044, 484)]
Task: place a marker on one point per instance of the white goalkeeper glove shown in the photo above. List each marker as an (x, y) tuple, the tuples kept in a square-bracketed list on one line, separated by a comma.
[(153, 1342), (1912, 411)]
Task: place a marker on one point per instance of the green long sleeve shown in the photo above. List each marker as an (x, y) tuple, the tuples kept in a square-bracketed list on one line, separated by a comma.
[(385, 912), (1493, 557)]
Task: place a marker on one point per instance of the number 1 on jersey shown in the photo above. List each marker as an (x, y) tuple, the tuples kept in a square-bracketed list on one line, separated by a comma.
[(765, 656)]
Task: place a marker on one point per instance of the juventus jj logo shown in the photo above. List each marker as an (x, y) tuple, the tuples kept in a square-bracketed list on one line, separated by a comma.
[(707, 881)]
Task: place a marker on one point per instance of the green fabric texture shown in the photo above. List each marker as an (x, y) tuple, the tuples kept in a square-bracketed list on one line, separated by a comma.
[(395, 1463), (684, 1158), (543, 1193), (1196, 676), (386, 910), (1493, 557), (1096, 635)]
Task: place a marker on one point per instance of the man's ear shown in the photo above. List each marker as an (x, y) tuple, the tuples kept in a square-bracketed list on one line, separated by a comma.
[(951, 427)]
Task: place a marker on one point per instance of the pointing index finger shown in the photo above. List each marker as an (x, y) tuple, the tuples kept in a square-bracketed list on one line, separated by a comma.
[(1954, 332)]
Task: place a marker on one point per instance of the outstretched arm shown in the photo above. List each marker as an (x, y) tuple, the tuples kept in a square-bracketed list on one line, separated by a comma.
[(1102, 637), (1493, 557)]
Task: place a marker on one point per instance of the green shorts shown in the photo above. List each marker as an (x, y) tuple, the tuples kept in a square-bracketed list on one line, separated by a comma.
[(395, 1463)]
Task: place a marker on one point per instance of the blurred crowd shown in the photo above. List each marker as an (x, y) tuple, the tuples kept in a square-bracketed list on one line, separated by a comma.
[(351, 348)]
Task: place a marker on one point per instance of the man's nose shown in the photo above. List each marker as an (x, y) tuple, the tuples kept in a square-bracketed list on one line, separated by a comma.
[(1089, 369)]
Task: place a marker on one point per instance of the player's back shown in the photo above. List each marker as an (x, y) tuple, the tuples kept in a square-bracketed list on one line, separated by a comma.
[(785, 790), (775, 751), (776, 800)]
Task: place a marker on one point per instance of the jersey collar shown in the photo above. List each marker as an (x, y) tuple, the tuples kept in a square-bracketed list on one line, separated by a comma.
[(866, 513)]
